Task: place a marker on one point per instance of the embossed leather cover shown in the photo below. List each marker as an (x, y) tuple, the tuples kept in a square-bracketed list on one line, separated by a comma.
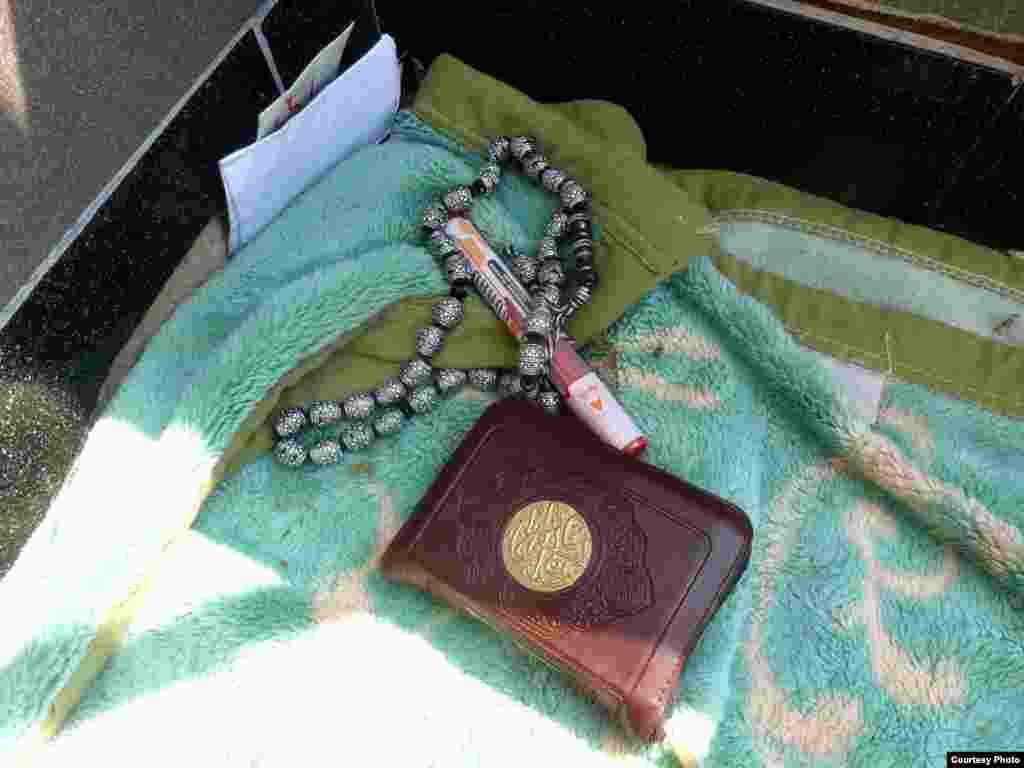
[(530, 503)]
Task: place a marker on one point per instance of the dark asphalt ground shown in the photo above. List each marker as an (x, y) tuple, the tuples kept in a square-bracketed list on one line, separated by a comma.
[(729, 84), (88, 82), (58, 347)]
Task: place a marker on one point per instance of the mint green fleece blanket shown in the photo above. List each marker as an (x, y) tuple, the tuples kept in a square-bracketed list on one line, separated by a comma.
[(880, 621)]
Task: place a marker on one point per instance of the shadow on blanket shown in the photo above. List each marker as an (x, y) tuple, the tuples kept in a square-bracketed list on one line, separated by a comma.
[(212, 637)]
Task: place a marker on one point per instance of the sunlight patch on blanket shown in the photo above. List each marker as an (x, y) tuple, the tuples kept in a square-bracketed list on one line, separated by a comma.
[(329, 692), (196, 572), (690, 733)]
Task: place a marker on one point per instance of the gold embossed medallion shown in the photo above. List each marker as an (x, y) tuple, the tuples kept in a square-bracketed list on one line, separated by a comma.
[(546, 546)]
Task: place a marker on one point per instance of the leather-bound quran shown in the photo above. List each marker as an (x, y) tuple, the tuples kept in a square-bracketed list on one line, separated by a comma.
[(602, 565)]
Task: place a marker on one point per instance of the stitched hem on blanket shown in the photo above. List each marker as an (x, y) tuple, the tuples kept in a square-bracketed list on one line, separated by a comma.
[(902, 345)]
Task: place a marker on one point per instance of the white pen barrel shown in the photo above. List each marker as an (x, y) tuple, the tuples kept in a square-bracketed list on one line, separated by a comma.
[(585, 393)]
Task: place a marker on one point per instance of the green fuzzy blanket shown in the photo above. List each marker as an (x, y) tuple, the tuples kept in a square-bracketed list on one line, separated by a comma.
[(879, 623)]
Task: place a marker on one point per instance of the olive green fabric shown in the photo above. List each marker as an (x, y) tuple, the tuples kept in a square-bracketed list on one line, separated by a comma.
[(665, 230), (909, 348), (652, 221), (651, 226), (728, 194)]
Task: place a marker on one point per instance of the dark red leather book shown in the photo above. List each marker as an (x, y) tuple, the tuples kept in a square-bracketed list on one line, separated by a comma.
[(600, 564)]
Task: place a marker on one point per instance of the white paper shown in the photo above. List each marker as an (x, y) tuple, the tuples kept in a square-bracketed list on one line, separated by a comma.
[(355, 110), (317, 74)]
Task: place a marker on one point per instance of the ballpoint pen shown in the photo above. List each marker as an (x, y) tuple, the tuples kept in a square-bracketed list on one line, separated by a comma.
[(578, 384)]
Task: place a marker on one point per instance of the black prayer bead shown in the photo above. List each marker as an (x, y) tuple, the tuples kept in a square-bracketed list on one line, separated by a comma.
[(530, 385), (479, 188), (533, 338), (525, 161), (406, 409), (587, 276), (584, 258), (579, 242), (578, 228), (459, 290)]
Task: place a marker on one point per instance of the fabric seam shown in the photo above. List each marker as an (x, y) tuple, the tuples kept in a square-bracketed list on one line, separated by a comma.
[(832, 232), (924, 374)]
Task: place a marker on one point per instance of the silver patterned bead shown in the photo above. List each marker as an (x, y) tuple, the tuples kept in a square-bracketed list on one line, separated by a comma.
[(525, 268), (324, 412), (290, 422), (435, 216), (531, 389), (540, 320), (485, 379), (552, 179), (490, 182), (490, 175), (521, 145), (556, 227), (429, 341), (358, 406), (458, 200), (536, 166), (498, 151), (456, 267), (440, 245), (290, 453), (423, 399), (550, 401), (581, 295), (449, 380), (572, 194), (551, 273), (391, 391), (547, 249), (550, 294), (414, 372), (389, 422), (326, 452), (578, 216), (357, 437), (532, 358), (447, 313), (509, 385), (584, 243)]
